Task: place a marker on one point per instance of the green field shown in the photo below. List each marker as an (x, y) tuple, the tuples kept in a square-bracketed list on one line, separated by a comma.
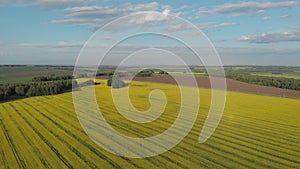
[(17, 74), (270, 71), (255, 132), (293, 76)]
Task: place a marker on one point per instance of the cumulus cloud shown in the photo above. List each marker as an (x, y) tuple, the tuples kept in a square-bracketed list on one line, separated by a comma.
[(176, 28), (248, 7), (97, 16), (273, 37), (108, 11), (152, 17)]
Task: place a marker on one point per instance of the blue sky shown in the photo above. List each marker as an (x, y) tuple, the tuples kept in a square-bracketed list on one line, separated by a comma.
[(243, 32)]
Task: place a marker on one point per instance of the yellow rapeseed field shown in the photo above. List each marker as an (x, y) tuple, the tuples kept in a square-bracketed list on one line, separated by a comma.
[(255, 132)]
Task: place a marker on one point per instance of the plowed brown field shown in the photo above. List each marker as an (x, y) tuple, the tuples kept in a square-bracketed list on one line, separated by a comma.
[(232, 85)]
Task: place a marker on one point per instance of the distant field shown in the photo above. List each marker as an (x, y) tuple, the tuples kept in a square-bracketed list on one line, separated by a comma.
[(294, 76), (273, 71), (232, 85), (255, 132), (187, 74), (16, 74)]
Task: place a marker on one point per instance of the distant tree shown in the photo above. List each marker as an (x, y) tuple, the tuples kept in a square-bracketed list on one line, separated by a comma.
[(51, 78), (9, 90), (57, 88), (1, 93), (40, 86), (88, 83), (115, 82), (38, 91), (20, 90), (279, 82), (161, 72), (51, 89), (109, 82), (145, 73), (31, 91)]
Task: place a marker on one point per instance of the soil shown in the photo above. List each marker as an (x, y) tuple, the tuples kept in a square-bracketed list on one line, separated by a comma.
[(232, 85)]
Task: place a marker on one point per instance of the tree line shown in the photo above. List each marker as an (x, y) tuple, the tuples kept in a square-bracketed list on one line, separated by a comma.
[(143, 73), (115, 82), (279, 82), (40, 86), (51, 78)]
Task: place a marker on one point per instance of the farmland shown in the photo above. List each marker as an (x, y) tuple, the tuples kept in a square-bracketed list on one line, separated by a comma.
[(255, 132), (270, 71), (232, 85), (17, 74)]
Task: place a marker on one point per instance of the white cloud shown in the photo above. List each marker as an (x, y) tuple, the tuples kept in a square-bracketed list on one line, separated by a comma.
[(267, 18), (79, 21), (60, 4), (152, 17), (208, 25), (181, 27), (95, 11), (248, 7), (150, 6), (49, 4), (273, 37), (97, 16), (261, 11), (204, 11), (108, 11), (183, 7), (176, 28), (284, 16), (215, 25)]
